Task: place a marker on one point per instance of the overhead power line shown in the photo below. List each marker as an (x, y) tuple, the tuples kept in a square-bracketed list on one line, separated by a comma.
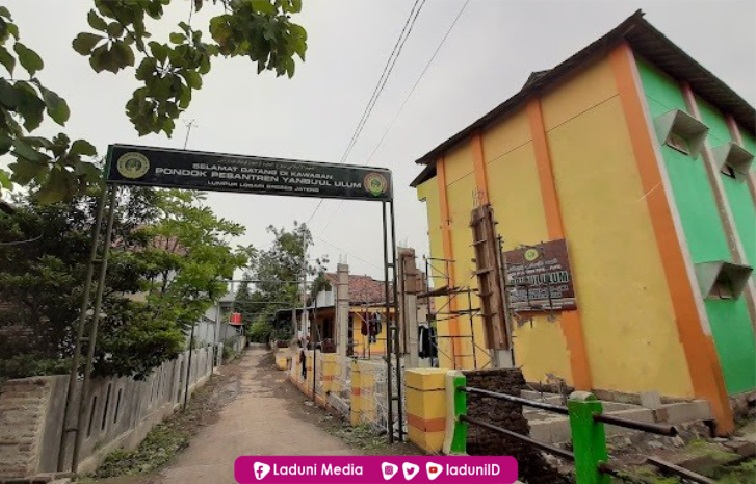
[(404, 103), (380, 85)]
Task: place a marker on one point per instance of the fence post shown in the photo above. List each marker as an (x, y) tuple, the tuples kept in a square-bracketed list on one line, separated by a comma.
[(588, 438), (455, 440)]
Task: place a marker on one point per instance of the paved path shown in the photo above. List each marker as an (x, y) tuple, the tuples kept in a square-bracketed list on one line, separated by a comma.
[(259, 421)]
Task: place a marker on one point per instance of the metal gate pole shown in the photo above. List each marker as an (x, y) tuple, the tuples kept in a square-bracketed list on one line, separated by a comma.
[(389, 344), (92, 341), (80, 333), (397, 349), (189, 366)]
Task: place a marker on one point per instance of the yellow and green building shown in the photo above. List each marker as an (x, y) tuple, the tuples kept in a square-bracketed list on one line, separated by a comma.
[(641, 159)]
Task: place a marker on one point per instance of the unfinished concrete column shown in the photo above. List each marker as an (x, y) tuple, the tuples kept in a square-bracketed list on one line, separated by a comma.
[(342, 308), (408, 289)]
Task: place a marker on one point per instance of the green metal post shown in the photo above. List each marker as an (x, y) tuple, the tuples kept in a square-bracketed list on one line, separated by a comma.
[(455, 441), (588, 438)]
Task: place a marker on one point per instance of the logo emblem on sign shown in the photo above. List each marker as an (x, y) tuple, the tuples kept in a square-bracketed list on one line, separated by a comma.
[(432, 470), (532, 254), (133, 165), (376, 184), (261, 470)]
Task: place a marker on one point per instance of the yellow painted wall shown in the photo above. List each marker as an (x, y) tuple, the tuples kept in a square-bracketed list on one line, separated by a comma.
[(515, 193), (428, 192), (361, 341), (627, 316)]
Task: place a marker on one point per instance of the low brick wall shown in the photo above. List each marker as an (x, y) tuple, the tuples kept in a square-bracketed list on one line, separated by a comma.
[(533, 467)]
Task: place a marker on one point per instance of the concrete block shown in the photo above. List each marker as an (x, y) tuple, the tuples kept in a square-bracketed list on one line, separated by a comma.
[(744, 448), (687, 412), (651, 399)]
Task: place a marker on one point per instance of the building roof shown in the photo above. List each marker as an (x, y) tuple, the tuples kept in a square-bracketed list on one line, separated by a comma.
[(362, 289), (645, 40)]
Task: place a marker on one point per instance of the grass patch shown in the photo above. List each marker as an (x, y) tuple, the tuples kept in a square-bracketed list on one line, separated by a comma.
[(366, 440), (161, 445)]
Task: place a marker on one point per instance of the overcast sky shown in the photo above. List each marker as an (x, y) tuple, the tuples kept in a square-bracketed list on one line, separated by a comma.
[(485, 60)]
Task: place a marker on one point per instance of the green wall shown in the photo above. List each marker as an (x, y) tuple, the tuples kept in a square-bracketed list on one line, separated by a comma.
[(730, 322), (736, 190)]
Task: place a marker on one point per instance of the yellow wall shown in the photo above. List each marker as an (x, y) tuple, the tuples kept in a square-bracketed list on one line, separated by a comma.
[(515, 193), (428, 192), (625, 309), (362, 345)]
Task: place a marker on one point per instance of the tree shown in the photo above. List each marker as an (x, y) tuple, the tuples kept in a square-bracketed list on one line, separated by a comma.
[(169, 255), (168, 71), (276, 271)]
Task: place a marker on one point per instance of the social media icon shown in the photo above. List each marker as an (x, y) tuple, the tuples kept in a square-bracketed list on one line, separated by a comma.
[(433, 470), (389, 470), (410, 470), (261, 470)]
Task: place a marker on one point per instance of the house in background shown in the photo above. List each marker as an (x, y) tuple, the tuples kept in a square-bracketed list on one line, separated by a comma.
[(367, 323), (629, 167)]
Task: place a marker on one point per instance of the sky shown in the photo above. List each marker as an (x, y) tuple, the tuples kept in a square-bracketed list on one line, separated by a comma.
[(485, 59)]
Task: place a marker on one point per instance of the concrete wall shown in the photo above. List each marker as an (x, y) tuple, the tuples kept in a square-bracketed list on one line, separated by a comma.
[(120, 412)]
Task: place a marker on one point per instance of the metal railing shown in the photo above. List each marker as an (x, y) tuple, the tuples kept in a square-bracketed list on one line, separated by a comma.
[(587, 421)]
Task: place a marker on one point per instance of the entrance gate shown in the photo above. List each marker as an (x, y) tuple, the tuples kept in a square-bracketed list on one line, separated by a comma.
[(206, 171)]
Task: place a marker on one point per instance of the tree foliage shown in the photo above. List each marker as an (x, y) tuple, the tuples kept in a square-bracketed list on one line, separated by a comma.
[(168, 71), (168, 255), (277, 270)]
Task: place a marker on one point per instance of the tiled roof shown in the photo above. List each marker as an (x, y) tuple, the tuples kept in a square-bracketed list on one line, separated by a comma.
[(362, 289)]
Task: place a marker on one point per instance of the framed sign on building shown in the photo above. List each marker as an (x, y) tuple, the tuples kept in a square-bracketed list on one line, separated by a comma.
[(539, 278)]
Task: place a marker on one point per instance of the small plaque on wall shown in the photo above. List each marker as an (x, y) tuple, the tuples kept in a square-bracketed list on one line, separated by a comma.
[(539, 278)]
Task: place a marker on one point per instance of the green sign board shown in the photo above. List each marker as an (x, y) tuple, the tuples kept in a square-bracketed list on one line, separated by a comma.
[(197, 170)]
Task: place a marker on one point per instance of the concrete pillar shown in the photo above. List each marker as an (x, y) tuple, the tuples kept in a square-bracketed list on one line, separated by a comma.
[(342, 308), (426, 407), (410, 284)]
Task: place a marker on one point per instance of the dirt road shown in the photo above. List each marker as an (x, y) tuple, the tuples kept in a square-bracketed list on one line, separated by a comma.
[(259, 421)]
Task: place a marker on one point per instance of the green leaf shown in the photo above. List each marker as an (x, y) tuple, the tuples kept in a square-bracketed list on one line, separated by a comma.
[(7, 60), (264, 7), (159, 50), (81, 147), (177, 37), (24, 150), (198, 5), (95, 21), (85, 42), (8, 95), (57, 108), (56, 188), (13, 30), (193, 79), (5, 143), (115, 29), (29, 59), (25, 170), (88, 170), (4, 12), (122, 55), (30, 106), (5, 181), (97, 59)]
